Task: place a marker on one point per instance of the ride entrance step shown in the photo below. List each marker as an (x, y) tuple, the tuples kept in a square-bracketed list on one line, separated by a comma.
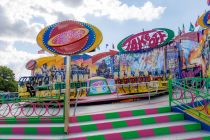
[(121, 114), (149, 123)]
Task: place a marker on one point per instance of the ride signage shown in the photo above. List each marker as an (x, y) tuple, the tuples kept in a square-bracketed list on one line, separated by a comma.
[(68, 37), (147, 40)]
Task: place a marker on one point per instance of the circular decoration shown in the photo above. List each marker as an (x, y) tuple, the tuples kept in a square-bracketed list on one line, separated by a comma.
[(91, 38), (39, 41), (69, 38), (30, 65), (98, 39), (206, 19), (71, 48), (201, 21), (45, 39)]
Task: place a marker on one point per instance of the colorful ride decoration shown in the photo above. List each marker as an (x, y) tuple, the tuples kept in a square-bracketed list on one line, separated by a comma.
[(153, 55), (30, 65), (146, 40), (29, 107), (69, 38), (100, 85), (190, 92), (194, 53), (63, 38), (204, 20), (192, 96)]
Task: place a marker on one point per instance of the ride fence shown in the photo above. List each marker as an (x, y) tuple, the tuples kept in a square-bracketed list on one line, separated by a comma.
[(12, 106), (191, 95), (129, 90)]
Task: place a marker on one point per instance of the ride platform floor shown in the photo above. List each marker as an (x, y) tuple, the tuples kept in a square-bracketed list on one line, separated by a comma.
[(112, 98)]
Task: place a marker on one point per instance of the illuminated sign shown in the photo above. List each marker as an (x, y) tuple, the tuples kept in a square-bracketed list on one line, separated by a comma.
[(147, 40), (68, 37)]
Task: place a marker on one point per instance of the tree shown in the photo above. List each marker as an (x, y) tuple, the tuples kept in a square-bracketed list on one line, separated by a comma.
[(7, 80)]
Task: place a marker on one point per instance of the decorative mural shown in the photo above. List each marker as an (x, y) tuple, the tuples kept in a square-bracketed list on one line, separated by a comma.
[(177, 58)]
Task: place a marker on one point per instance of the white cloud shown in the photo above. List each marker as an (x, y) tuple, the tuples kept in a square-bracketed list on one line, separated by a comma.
[(20, 16), (23, 19), (15, 59), (116, 10)]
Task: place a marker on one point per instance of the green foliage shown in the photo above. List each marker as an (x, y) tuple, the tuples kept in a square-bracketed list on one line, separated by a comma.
[(7, 80)]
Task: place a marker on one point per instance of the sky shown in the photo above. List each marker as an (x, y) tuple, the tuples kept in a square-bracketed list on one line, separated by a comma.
[(21, 21)]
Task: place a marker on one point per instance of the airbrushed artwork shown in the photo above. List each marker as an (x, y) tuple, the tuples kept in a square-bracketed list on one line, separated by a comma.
[(186, 51), (69, 37), (83, 90), (131, 64)]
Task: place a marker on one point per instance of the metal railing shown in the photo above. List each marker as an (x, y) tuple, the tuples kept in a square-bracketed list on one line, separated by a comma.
[(33, 107), (192, 95), (152, 89)]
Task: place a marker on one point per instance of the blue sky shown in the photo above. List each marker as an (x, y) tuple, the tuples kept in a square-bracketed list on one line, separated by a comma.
[(22, 20), (177, 13)]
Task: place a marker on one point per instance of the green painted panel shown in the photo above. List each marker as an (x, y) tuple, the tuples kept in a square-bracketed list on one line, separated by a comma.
[(130, 135), (58, 120), (34, 120), (164, 109), (31, 120), (84, 118), (176, 117), (30, 130), (10, 120), (138, 112), (6, 131), (100, 137), (148, 120), (90, 127), (119, 124), (112, 115), (206, 138), (192, 127), (161, 131), (57, 130)]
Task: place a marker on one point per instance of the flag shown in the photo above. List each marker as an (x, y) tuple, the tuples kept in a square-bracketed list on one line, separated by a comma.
[(208, 2), (113, 46), (196, 23), (192, 28), (41, 51), (179, 31), (107, 45), (183, 29)]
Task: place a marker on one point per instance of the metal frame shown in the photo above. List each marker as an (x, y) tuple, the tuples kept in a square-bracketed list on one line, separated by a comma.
[(152, 86), (191, 95)]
